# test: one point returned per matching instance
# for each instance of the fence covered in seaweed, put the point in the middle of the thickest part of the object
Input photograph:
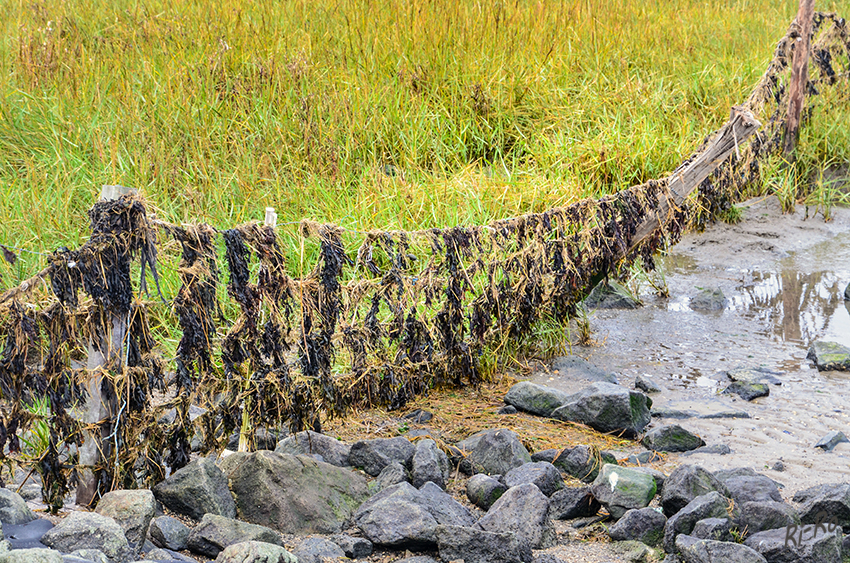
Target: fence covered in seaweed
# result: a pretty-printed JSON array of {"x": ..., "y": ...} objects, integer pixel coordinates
[{"x": 404, "y": 312}]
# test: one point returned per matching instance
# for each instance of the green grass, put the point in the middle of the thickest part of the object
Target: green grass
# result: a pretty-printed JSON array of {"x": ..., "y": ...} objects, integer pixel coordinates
[{"x": 384, "y": 114}]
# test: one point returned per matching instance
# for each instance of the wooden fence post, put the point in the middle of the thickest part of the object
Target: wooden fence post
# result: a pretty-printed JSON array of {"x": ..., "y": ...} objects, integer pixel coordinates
[
  {"x": 799, "y": 77},
  {"x": 100, "y": 406}
]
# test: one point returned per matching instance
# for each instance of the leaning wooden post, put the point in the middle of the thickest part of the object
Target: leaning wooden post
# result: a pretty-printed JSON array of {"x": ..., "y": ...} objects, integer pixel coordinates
[
  {"x": 100, "y": 406},
  {"x": 799, "y": 77}
]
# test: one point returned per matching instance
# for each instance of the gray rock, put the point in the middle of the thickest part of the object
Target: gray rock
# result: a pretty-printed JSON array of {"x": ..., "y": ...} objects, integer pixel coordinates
[
  {"x": 354, "y": 548},
  {"x": 28, "y": 492},
  {"x": 392, "y": 474},
  {"x": 168, "y": 555},
  {"x": 14, "y": 509},
  {"x": 633, "y": 551},
  {"x": 582, "y": 462},
  {"x": 644, "y": 457},
  {"x": 373, "y": 455},
  {"x": 686, "y": 483},
  {"x": 610, "y": 295},
  {"x": 318, "y": 550},
  {"x": 713, "y": 449},
  {"x": 646, "y": 385},
  {"x": 494, "y": 452},
  {"x": 401, "y": 516},
  {"x": 832, "y": 439},
  {"x": 483, "y": 490},
  {"x": 726, "y": 414},
  {"x": 546, "y": 455},
  {"x": 507, "y": 409},
  {"x": 31, "y": 555},
  {"x": 607, "y": 408},
  {"x": 645, "y": 525},
  {"x": 133, "y": 510},
  {"x": 214, "y": 533},
  {"x": 671, "y": 438},
  {"x": 417, "y": 559},
  {"x": 169, "y": 532},
  {"x": 478, "y": 546},
  {"x": 748, "y": 391},
  {"x": 708, "y": 300},
  {"x": 524, "y": 512},
  {"x": 95, "y": 555},
  {"x": 573, "y": 367},
  {"x": 778, "y": 466},
  {"x": 672, "y": 413},
  {"x": 655, "y": 474},
  {"x": 803, "y": 544},
  {"x": 87, "y": 530},
  {"x": 419, "y": 416},
  {"x": 27, "y": 536},
  {"x": 825, "y": 502},
  {"x": 197, "y": 489},
  {"x": 758, "y": 516},
  {"x": 430, "y": 463},
  {"x": 255, "y": 552},
  {"x": 711, "y": 505},
  {"x": 573, "y": 502},
  {"x": 622, "y": 488},
  {"x": 829, "y": 356},
  {"x": 542, "y": 474},
  {"x": 717, "y": 529},
  {"x": 695, "y": 550},
  {"x": 753, "y": 375},
  {"x": 752, "y": 488},
  {"x": 308, "y": 442},
  {"x": 296, "y": 494},
  {"x": 847, "y": 293},
  {"x": 536, "y": 399}
]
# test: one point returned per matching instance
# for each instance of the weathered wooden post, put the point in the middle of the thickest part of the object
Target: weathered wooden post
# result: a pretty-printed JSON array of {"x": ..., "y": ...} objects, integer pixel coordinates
[
  {"x": 100, "y": 406},
  {"x": 799, "y": 77}
]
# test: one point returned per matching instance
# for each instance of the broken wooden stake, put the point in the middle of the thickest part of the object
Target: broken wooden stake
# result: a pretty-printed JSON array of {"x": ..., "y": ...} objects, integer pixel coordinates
[{"x": 799, "y": 77}]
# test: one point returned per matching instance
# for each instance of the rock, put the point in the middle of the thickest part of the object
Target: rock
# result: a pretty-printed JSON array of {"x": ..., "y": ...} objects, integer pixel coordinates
[
  {"x": 708, "y": 300},
  {"x": 296, "y": 494},
  {"x": 483, "y": 490},
  {"x": 825, "y": 502},
  {"x": 753, "y": 375},
  {"x": 711, "y": 505},
  {"x": 684, "y": 484},
  {"x": 546, "y": 455},
  {"x": 133, "y": 510},
  {"x": 169, "y": 532},
  {"x": 417, "y": 559},
  {"x": 832, "y": 439},
  {"x": 778, "y": 466},
  {"x": 717, "y": 529},
  {"x": 829, "y": 356},
  {"x": 308, "y": 442},
  {"x": 573, "y": 367},
  {"x": 354, "y": 548},
  {"x": 32, "y": 555},
  {"x": 644, "y": 457},
  {"x": 536, "y": 399},
  {"x": 610, "y": 295},
  {"x": 419, "y": 416},
  {"x": 430, "y": 463},
  {"x": 507, "y": 409},
  {"x": 28, "y": 492},
  {"x": 633, "y": 551},
  {"x": 726, "y": 414},
  {"x": 582, "y": 462},
  {"x": 752, "y": 488},
  {"x": 847, "y": 293},
  {"x": 392, "y": 474},
  {"x": 14, "y": 509},
  {"x": 318, "y": 550},
  {"x": 197, "y": 489},
  {"x": 524, "y": 512},
  {"x": 622, "y": 488},
  {"x": 27, "y": 536},
  {"x": 646, "y": 385},
  {"x": 401, "y": 516},
  {"x": 655, "y": 474},
  {"x": 87, "y": 530},
  {"x": 214, "y": 533},
  {"x": 671, "y": 438},
  {"x": 574, "y": 502},
  {"x": 542, "y": 474},
  {"x": 645, "y": 525},
  {"x": 748, "y": 391},
  {"x": 607, "y": 408},
  {"x": 373, "y": 455},
  {"x": 494, "y": 452},
  {"x": 803, "y": 544},
  {"x": 758, "y": 516},
  {"x": 713, "y": 449},
  {"x": 255, "y": 552},
  {"x": 695, "y": 550},
  {"x": 478, "y": 546},
  {"x": 169, "y": 556},
  {"x": 95, "y": 555},
  {"x": 672, "y": 413}
]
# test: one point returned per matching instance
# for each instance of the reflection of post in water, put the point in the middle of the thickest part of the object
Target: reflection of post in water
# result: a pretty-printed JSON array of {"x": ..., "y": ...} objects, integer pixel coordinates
[
  {"x": 808, "y": 303},
  {"x": 790, "y": 293}
]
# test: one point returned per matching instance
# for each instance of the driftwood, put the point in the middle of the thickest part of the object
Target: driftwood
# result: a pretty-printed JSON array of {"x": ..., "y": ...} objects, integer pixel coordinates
[{"x": 799, "y": 77}]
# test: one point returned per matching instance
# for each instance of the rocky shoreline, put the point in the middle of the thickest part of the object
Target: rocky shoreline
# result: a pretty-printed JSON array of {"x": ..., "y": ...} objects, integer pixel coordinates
[{"x": 485, "y": 499}]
